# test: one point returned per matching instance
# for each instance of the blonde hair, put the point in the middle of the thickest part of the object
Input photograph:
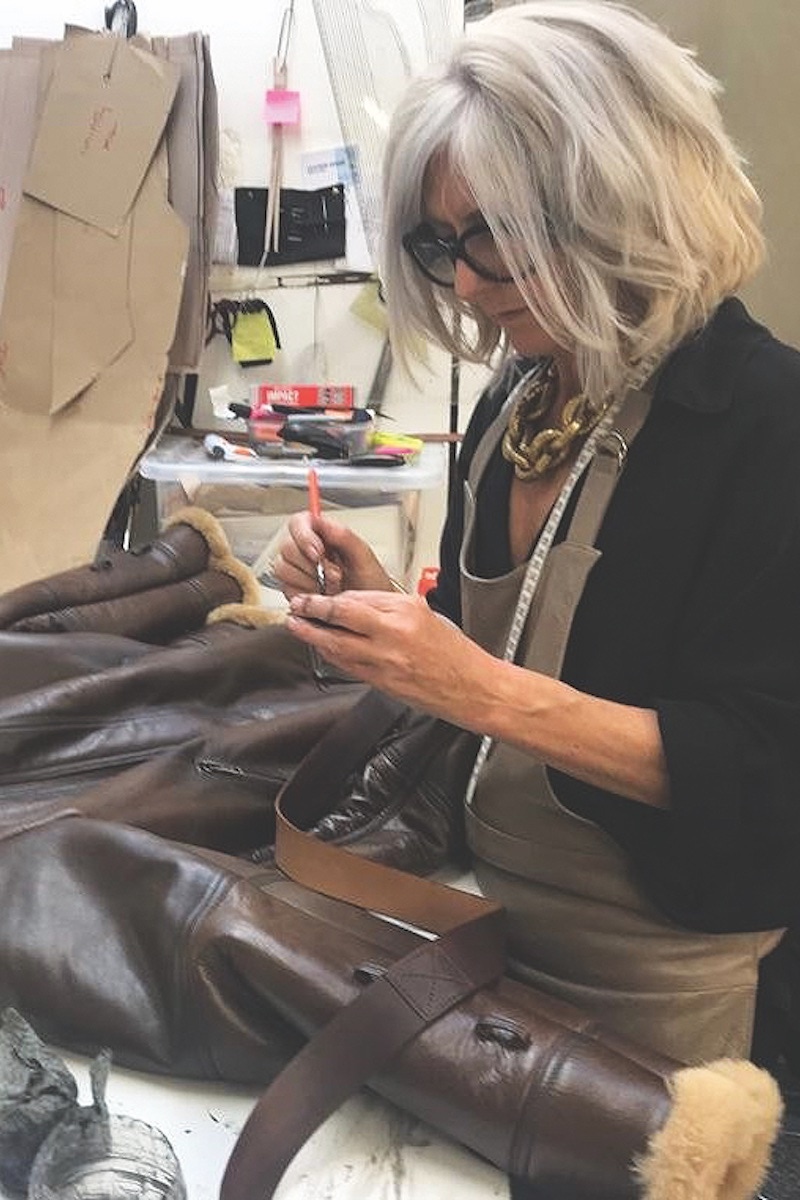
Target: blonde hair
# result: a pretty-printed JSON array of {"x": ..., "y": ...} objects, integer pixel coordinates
[{"x": 595, "y": 150}]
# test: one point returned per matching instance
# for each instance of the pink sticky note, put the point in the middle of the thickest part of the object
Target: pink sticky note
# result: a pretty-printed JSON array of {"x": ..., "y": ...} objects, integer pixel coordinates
[{"x": 282, "y": 107}]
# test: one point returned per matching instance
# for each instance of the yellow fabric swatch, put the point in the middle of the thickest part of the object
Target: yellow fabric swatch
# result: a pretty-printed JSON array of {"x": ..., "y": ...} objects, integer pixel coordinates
[{"x": 253, "y": 338}]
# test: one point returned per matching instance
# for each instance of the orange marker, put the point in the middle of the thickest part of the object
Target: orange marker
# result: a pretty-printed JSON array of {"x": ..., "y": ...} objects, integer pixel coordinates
[
  {"x": 313, "y": 493},
  {"x": 314, "y": 507}
]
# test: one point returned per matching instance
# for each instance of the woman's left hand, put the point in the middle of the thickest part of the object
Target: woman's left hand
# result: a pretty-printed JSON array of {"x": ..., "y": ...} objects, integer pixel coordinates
[{"x": 398, "y": 644}]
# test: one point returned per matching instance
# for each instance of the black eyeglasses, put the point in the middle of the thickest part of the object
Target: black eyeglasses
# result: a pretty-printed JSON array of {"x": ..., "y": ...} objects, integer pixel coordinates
[{"x": 436, "y": 255}]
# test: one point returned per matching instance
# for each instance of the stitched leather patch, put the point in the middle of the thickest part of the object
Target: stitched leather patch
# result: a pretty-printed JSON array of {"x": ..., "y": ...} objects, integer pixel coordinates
[{"x": 430, "y": 983}]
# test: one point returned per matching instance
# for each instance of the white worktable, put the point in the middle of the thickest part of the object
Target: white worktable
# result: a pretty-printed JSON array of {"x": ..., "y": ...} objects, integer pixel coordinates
[{"x": 368, "y": 1150}]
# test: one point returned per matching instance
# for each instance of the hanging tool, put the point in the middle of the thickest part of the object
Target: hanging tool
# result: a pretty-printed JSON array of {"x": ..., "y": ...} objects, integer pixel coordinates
[
  {"x": 380, "y": 380},
  {"x": 280, "y": 104},
  {"x": 121, "y": 18}
]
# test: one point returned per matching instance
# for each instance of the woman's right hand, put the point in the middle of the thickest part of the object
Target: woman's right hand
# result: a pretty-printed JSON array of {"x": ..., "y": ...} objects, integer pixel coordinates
[{"x": 348, "y": 562}]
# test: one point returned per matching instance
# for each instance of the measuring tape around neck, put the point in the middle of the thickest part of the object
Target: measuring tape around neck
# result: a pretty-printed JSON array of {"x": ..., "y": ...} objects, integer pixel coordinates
[{"x": 536, "y": 563}]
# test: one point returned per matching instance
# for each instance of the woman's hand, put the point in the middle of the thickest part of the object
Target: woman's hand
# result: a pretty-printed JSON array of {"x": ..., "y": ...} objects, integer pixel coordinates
[
  {"x": 348, "y": 562},
  {"x": 398, "y": 644}
]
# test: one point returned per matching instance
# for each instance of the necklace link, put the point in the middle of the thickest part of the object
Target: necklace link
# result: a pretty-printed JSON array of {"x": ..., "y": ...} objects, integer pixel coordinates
[{"x": 533, "y": 451}]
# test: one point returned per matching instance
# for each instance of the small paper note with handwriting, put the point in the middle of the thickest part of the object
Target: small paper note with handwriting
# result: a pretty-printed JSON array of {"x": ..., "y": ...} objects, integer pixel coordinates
[{"x": 103, "y": 117}]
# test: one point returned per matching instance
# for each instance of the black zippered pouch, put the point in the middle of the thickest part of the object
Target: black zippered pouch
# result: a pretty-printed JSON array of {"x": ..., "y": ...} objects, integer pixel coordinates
[{"x": 312, "y": 225}]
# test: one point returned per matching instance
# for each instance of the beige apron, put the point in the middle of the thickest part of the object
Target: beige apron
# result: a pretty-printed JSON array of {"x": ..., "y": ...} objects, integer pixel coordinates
[{"x": 579, "y": 925}]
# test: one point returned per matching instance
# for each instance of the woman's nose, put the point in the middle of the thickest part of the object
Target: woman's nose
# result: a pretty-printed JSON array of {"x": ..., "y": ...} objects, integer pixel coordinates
[{"x": 467, "y": 284}]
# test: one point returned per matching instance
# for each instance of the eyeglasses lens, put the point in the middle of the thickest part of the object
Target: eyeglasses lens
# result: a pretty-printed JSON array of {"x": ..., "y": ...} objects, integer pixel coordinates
[
  {"x": 437, "y": 256},
  {"x": 432, "y": 255},
  {"x": 481, "y": 253}
]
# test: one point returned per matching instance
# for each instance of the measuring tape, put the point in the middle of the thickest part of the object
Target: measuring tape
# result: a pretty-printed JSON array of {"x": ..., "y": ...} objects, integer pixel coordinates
[{"x": 537, "y": 559}]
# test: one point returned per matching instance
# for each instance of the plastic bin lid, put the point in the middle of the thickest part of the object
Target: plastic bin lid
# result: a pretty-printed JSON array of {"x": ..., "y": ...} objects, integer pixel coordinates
[{"x": 176, "y": 459}]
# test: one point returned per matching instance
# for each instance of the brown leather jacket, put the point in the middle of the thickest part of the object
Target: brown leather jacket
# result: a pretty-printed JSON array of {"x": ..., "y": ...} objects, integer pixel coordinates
[{"x": 141, "y": 911}]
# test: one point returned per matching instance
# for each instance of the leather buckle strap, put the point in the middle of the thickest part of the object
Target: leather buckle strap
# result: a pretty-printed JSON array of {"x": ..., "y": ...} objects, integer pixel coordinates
[{"x": 393, "y": 1009}]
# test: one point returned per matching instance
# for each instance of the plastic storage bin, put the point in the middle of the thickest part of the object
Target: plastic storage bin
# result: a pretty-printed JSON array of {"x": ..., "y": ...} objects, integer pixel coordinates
[{"x": 253, "y": 497}]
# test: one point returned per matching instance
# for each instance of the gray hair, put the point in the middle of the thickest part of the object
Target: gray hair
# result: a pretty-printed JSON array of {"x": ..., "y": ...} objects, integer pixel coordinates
[{"x": 595, "y": 150}]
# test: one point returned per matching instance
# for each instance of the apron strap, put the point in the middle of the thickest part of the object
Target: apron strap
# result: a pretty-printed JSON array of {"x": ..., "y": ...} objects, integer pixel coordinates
[{"x": 605, "y": 469}]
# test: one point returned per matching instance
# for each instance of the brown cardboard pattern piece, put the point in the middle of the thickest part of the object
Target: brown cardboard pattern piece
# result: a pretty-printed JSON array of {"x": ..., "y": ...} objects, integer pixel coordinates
[
  {"x": 87, "y": 335},
  {"x": 26, "y": 321},
  {"x": 192, "y": 138},
  {"x": 18, "y": 76},
  {"x": 103, "y": 117},
  {"x": 55, "y": 337},
  {"x": 60, "y": 474},
  {"x": 66, "y": 315}
]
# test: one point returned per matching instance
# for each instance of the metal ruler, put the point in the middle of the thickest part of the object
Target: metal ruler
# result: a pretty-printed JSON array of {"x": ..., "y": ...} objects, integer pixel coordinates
[{"x": 371, "y": 52}]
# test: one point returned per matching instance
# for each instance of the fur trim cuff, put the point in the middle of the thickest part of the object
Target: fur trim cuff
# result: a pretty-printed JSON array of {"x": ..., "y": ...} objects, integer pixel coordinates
[
  {"x": 221, "y": 557},
  {"x": 249, "y": 615},
  {"x": 251, "y": 592},
  {"x": 208, "y": 527},
  {"x": 716, "y": 1142}
]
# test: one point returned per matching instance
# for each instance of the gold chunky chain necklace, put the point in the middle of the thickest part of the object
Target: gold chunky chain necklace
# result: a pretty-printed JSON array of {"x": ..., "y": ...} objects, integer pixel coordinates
[{"x": 533, "y": 451}]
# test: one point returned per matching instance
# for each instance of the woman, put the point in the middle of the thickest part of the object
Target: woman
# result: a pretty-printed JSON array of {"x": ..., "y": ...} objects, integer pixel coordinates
[{"x": 620, "y": 564}]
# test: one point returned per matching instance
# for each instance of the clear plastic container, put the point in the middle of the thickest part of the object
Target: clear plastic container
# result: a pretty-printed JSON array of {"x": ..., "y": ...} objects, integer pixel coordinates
[{"x": 181, "y": 459}]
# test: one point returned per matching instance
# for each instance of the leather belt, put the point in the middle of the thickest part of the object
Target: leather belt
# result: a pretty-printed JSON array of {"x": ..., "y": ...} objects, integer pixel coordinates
[{"x": 468, "y": 954}]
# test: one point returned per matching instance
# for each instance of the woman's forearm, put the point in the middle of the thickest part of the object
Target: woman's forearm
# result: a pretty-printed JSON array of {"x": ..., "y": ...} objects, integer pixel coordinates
[{"x": 613, "y": 746}]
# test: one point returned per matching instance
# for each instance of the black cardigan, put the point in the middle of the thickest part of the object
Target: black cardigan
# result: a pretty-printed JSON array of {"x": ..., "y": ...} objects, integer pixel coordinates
[{"x": 692, "y": 610}]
